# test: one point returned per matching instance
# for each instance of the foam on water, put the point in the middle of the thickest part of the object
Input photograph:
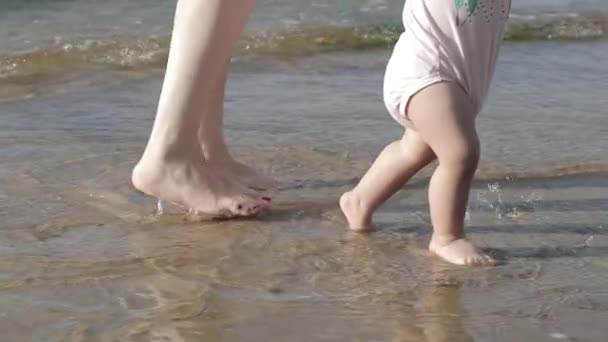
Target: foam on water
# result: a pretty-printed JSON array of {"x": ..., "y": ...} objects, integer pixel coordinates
[
  {"x": 141, "y": 52},
  {"x": 134, "y": 41}
]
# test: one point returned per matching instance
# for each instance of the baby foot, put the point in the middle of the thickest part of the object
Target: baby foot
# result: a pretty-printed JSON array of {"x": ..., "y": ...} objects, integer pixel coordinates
[
  {"x": 357, "y": 215},
  {"x": 193, "y": 185},
  {"x": 460, "y": 252}
]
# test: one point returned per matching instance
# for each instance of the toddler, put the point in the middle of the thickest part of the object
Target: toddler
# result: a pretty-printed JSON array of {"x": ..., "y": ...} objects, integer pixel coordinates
[{"x": 436, "y": 82}]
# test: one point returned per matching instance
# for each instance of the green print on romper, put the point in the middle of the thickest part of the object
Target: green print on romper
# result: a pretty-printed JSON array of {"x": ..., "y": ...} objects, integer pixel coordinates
[
  {"x": 472, "y": 5},
  {"x": 468, "y": 6},
  {"x": 489, "y": 10}
]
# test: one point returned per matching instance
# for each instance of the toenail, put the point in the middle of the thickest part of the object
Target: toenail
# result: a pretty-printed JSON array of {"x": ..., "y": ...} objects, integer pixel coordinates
[
  {"x": 239, "y": 207},
  {"x": 267, "y": 199}
]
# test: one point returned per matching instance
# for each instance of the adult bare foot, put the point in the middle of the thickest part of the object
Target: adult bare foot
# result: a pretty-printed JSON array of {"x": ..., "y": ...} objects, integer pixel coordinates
[
  {"x": 459, "y": 251},
  {"x": 195, "y": 186},
  {"x": 243, "y": 174},
  {"x": 356, "y": 212}
]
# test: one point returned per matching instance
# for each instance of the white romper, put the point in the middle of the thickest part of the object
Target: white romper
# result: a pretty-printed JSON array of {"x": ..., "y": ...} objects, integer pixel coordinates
[{"x": 445, "y": 40}]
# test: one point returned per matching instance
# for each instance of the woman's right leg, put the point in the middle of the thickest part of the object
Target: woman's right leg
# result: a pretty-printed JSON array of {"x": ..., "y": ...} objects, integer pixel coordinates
[
  {"x": 215, "y": 150},
  {"x": 172, "y": 166},
  {"x": 445, "y": 119}
]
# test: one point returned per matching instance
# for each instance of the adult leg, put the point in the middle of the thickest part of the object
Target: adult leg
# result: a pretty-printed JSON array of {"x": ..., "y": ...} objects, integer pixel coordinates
[
  {"x": 172, "y": 167},
  {"x": 215, "y": 151}
]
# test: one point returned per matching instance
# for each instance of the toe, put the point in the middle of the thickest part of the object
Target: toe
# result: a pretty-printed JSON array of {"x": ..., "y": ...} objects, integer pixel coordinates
[
  {"x": 469, "y": 261},
  {"x": 473, "y": 260},
  {"x": 489, "y": 261},
  {"x": 242, "y": 209},
  {"x": 257, "y": 199},
  {"x": 479, "y": 261},
  {"x": 253, "y": 210},
  {"x": 247, "y": 208}
]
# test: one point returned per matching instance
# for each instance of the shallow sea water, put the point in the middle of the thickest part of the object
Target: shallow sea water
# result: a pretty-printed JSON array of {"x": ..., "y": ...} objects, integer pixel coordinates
[{"x": 84, "y": 257}]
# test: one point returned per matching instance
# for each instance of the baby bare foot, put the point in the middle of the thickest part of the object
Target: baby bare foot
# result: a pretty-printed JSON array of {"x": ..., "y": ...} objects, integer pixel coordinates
[
  {"x": 356, "y": 213},
  {"x": 244, "y": 174},
  {"x": 459, "y": 251},
  {"x": 193, "y": 185}
]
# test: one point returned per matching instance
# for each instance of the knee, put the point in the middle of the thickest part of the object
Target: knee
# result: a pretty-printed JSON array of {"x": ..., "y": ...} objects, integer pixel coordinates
[
  {"x": 463, "y": 156},
  {"x": 416, "y": 152}
]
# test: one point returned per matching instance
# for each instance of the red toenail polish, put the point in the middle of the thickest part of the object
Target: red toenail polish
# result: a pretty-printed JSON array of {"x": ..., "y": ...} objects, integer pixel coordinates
[
  {"x": 267, "y": 199},
  {"x": 239, "y": 207}
]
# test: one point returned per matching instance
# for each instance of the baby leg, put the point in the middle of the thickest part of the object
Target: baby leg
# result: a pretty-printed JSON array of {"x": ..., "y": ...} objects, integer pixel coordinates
[
  {"x": 444, "y": 116},
  {"x": 395, "y": 165}
]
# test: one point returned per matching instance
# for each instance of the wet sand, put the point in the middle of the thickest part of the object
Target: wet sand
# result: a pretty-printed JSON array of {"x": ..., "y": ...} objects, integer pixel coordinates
[{"x": 83, "y": 257}]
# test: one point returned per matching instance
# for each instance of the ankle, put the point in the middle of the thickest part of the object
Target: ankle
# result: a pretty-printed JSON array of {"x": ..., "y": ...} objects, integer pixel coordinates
[
  {"x": 216, "y": 152},
  {"x": 356, "y": 199},
  {"x": 445, "y": 239},
  {"x": 158, "y": 154}
]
